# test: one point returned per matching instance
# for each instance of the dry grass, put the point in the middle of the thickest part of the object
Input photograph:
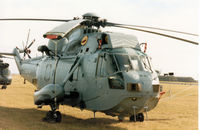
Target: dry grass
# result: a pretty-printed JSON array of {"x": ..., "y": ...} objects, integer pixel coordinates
[{"x": 17, "y": 111}]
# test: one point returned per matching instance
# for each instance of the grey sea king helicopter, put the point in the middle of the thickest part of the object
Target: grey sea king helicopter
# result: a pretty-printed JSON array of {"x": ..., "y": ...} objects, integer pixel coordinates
[
  {"x": 5, "y": 78},
  {"x": 90, "y": 69}
]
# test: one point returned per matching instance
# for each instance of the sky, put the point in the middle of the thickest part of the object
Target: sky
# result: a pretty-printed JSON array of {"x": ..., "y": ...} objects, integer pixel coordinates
[{"x": 168, "y": 55}]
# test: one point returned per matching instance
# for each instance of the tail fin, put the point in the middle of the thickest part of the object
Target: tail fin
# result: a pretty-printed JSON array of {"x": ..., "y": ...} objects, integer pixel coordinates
[{"x": 18, "y": 59}]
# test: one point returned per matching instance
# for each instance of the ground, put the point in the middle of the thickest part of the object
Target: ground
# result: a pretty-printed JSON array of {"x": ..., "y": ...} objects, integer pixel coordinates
[{"x": 177, "y": 110}]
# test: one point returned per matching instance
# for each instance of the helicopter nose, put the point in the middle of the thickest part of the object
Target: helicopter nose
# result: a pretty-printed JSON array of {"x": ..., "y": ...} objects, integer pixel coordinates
[
  {"x": 132, "y": 76},
  {"x": 136, "y": 81},
  {"x": 132, "y": 81}
]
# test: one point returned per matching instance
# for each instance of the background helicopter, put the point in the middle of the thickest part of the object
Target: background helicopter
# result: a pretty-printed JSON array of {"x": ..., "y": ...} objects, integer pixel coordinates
[
  {"x": 5, "y": 78},
  {"x": 94, "y": 70}
]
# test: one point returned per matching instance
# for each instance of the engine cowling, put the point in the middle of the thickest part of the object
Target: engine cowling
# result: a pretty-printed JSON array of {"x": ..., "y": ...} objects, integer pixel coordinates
[{"x": 47, "y": 94}]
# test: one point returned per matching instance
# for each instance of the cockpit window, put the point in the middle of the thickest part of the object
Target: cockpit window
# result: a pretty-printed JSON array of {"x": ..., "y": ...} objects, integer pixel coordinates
[
  {"x": 110, "y": 63},
  {"x": 137, "y": 66},
  {"x": 146, "y": 63},
  {"x": 123, "y": 62}
]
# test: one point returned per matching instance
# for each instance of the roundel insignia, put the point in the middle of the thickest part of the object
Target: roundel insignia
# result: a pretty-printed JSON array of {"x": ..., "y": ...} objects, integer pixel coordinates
[{"x": 84, "y": 40}]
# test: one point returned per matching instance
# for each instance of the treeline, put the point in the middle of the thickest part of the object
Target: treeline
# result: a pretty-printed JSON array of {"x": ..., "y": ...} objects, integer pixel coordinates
[{"x": 176, "y": 79}]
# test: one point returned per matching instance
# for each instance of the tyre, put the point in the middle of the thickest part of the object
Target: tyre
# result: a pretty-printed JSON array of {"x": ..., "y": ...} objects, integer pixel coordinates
[
  {"x": 58, "y": 117},
  {"x": 140, "y": 117},
  {"x": 132, "y": 118}
]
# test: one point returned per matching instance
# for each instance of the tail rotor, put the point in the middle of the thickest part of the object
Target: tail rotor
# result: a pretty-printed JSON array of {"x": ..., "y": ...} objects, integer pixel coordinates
[{"x": 26, "y": 49}]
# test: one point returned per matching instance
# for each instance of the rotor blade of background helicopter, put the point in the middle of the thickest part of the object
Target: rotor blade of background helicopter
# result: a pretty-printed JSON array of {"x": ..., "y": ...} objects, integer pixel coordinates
[
  {"x": 162, "y": 29},
  {"x": 161, "y": 34},
  {"x": 34, "y": 19}
]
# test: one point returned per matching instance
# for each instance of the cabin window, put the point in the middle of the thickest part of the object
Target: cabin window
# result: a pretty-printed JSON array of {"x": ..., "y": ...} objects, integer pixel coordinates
[{"x": 106, "y": 65}]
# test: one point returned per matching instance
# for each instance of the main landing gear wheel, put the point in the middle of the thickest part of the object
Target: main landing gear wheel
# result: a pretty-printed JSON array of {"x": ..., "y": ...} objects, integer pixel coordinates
[
  {"x": 120, "y": 118},
  {"x": 53, "y": 117},
  {"x": 139, "y": 117},
  {"x": 4, "y": 87}
]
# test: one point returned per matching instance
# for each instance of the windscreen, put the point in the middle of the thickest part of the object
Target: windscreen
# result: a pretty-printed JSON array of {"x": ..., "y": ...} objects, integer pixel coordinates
[
  {"x": 146, "y": 63},
  {"x": 136, "y": 63},
  {"x": 123, "y": 62}
]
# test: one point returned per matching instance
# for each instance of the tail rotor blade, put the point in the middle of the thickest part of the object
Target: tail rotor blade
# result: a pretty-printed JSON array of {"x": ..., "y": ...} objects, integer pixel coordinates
[
  {"x": 29, "y": 56},
  {"x": 24, "y": 54},
  {"x": 23, "y": 44},
  {"x": 27, "y": 38},
  {"x": 31, "y": 43}
]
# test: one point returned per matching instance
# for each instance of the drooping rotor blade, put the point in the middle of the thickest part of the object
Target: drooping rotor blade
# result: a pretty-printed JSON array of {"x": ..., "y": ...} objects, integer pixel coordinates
[
  {"x": 148, "y": 27},
  {"x": 34, "y": 19},
  {"x": 7, "y": 54},
  {"x": 161, "y": 34},
  {"x": 5, "y": 57}
]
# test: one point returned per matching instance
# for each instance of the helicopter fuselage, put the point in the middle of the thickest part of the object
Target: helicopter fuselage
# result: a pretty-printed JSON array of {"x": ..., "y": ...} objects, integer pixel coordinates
[
  {"x": 114, "y": 81},
  {"x": 98, "y": 71}
]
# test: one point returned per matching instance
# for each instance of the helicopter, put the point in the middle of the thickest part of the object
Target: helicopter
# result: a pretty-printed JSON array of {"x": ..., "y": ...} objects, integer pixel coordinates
[
  {"x": 5, "y": 77},
  {"x": 85, "y": 67}
]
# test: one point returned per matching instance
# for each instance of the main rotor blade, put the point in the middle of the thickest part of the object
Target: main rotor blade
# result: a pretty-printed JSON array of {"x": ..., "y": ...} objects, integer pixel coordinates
[
  {"x": 35, "y": 19},
  {"x": 162, "y": 29},
  {"x": 161, "y": 34}
]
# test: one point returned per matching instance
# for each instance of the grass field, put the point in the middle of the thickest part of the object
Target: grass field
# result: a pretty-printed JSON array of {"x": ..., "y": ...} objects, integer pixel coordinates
[{"x": 177, "y": 110}]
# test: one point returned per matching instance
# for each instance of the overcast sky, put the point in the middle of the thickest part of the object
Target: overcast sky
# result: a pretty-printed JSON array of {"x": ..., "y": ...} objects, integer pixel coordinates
[{"x": 168, "y": 55}]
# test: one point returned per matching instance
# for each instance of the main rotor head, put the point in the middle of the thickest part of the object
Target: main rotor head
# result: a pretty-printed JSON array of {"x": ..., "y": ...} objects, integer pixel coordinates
[
  {"x": 91, "y": 16},
  {"x": 92, "y": 19}
]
